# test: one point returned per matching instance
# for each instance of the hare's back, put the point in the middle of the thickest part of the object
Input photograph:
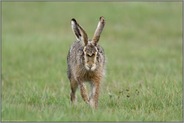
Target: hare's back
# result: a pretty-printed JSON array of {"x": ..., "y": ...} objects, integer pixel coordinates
[
  {"x": 75, "y": 48},
  {"x": 75, "y": 51}
]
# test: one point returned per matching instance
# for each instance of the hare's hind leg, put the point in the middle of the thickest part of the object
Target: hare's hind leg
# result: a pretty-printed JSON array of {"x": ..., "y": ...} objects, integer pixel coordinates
[{"x": 74, "y": 86}]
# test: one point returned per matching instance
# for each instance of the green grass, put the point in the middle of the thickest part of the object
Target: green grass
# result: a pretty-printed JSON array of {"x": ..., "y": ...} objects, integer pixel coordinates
[{"x": 143, "y": 46}]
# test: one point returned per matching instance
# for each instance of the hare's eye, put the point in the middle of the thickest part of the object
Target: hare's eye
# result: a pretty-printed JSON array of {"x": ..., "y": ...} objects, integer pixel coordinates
[{"x": 88, "y": 55}]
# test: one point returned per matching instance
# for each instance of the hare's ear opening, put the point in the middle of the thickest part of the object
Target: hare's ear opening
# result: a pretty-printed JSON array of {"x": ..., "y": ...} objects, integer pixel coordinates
[
  {"x": 98, "y": 30},
  {"x": 75, "y": 29},
  {"x": 79, "y": 31}
]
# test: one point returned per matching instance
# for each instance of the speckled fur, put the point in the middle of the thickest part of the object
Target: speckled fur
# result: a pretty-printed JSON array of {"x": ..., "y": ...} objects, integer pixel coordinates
[{"x": 90, "y": 54}]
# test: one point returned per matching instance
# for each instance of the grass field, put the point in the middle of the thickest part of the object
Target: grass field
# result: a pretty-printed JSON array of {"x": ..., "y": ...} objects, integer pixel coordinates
[{"x": 143, "y": 46}]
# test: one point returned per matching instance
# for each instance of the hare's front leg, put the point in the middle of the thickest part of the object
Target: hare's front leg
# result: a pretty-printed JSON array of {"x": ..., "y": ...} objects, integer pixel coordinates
[
  {"x": 94, "y": 94},
  {"x": 73, "y": 85},
  {"x": 83, "y": 92}
]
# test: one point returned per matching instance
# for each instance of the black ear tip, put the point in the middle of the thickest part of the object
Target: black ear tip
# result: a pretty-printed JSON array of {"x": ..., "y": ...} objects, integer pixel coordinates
[
  {"x": 73, "y": 20},
  {"x": 101, "y": 17}
]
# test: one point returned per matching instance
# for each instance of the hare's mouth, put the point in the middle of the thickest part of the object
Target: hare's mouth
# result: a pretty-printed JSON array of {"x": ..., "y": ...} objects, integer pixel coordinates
[{"x": 90, "y": 67}]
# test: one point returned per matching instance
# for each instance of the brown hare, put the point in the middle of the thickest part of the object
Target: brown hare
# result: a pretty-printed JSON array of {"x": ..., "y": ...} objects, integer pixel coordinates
[{"x": 86, "y": 63}]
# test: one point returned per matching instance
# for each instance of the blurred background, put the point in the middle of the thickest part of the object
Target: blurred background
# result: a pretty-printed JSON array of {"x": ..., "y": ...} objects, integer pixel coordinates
[{"x": 143, "y": 46}]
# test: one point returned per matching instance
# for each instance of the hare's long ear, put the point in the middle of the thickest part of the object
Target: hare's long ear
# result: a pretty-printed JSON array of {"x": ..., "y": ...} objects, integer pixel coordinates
[
  {"x": 79, "y": 32},
  {"x": 98, "y": 30}
]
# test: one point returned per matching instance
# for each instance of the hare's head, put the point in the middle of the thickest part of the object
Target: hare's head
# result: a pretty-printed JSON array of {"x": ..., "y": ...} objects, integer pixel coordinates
[{"x": 90, "y": 49}]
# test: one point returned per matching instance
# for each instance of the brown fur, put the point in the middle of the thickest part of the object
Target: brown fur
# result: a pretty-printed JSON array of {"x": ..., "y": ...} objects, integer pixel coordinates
[{"x": 86, "y": 63}]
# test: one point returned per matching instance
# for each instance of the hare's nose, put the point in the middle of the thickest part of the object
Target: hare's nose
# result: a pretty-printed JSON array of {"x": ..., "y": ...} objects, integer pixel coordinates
[{"x": 90, "y": 66}]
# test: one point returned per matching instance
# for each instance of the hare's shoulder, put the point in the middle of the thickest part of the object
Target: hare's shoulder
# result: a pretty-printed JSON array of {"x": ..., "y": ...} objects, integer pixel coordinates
[{"x": 76, "y": 47}]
